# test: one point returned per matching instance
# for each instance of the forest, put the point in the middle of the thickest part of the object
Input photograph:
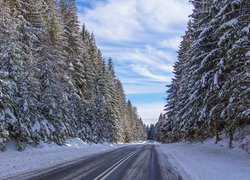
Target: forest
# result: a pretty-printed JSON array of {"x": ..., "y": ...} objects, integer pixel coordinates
[
  {"x": 54, "y": 81},
  {"x": 209, "y": 94}
]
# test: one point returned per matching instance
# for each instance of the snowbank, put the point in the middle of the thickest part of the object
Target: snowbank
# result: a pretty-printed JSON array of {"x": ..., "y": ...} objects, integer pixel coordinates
[
  {"x": 209, "y": 161},
  {"x": 14, "y": 162}
]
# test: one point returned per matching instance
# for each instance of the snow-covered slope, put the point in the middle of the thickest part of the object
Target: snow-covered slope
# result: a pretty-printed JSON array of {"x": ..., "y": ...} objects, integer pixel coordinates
[
  {"x": 13, "y": 161},
  {"x": 209, "y": 161}
]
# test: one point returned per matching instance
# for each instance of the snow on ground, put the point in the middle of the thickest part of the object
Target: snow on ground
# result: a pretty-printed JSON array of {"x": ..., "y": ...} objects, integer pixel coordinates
[
  {"x": 208, "y": 161},
  {"x": 194, "y": 161},
  {"x": 14, "y": 162}
]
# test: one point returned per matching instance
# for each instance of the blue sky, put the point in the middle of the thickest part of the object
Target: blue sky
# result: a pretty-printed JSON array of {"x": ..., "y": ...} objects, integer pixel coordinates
[{"x": 142, "y": 38}]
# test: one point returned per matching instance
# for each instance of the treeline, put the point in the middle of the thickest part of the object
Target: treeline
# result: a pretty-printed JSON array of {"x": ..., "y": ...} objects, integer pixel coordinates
[
  {"x": 54, "y": 82},
  {"x": 210, "y": 91},
  {"x": 154, "y": 131}
]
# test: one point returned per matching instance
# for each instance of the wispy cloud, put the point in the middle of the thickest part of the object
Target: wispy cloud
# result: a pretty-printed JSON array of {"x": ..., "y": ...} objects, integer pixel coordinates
[
  {"x": 124, "y": 20},
  {"x": 141, "y": 36},
  {"x": 145, "y": 72},
  {"x": 172, "y": 43},
  {"x": 144, "y": 88},
  {"x": 113, "y": 20}
]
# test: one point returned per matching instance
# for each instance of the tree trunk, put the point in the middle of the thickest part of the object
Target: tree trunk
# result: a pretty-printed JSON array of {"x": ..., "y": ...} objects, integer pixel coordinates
[
  {"x": 230, "y": 139},
  {"x": 216, "y": 135},
  {"x": 202, "y": 134}
]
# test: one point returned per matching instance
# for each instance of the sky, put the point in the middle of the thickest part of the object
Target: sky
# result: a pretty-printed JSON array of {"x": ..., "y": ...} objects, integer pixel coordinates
[{"x": 142, "y": 38}]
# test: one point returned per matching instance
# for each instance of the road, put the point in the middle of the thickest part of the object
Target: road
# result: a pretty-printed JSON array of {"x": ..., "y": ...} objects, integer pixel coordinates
[{"x": 134, "y": 162}]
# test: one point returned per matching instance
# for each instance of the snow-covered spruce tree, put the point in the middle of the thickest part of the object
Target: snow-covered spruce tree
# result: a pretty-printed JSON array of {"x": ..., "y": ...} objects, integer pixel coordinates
[
  {"x": 158, "y": 128},
  {"x": 72, "y": 46},
  {"x": 174, "y": 126},
  {"x": 86, "y": 86},
  {"x": 129, "y": 131},
  {"x": 234, "y": 42},
  {"x": 87, "y": 73},
  {"x": 54, "y": 82},
  {"x": 151, "y": 132},
  {"x": 112, "y": 111},
  {"x": 21, "y": 42},
  {"x": 91, "y": 62},
  {"x": 200, "y": 49},
  {"x": 122, "y": 110},
  {"x": 101, "y": 102},
  {"x": 187, "y": 103},
  {"x": 4, "y": 108},
  {"x": 211, "y": 77},
  {"x": 140, "y": 130},
  {"x": 134, "y": 123},
  {"x": 107, "y": 116},
  {"x": 6, "y": 43}
]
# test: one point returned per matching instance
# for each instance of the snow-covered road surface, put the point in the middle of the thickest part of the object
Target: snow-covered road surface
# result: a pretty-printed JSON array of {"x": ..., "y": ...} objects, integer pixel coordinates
[
  {"x": 193, "y": 161},
  {"x": 45, "y": 155},
  {"x": 139, "y": 162}
]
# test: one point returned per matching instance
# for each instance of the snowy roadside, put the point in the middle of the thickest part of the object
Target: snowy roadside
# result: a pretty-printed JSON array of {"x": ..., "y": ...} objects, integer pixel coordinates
[
  {"x": 208, "y": 161},
  {"x": 13, "y": 162}
]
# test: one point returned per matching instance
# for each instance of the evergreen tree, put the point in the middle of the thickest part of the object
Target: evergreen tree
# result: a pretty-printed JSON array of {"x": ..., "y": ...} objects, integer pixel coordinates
[
  {"x": 54, "y": 82},
  {"x": 209, "y": 90}
]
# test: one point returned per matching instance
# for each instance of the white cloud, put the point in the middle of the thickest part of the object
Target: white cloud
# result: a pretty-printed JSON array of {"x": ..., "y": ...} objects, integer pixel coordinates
[
  {"x": 150, "y": 56},
  {"x": 126, "y": 19},
  {"x": 133, "y": 31},
  {"x": 171, "y": 43},
  {"x": 146, "y": 63},
  {"x": 161, "y": 15},
  {"x": 113, "y": 20},
  {"x": 140, "y": 88},
  {"x": 142, "y": 38},
  {"x": 145, "y": 72}
]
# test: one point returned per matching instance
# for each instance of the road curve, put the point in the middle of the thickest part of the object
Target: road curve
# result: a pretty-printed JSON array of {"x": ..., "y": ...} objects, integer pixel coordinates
[{"x": 134, "y": 162}]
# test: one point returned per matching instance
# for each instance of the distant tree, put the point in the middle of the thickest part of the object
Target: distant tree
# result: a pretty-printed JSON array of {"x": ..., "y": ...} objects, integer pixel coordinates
[{"x": 151, "y": 132}]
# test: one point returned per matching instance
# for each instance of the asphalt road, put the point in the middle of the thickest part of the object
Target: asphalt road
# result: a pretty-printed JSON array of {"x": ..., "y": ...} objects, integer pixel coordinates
[{"x": 136, "y": 162}]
